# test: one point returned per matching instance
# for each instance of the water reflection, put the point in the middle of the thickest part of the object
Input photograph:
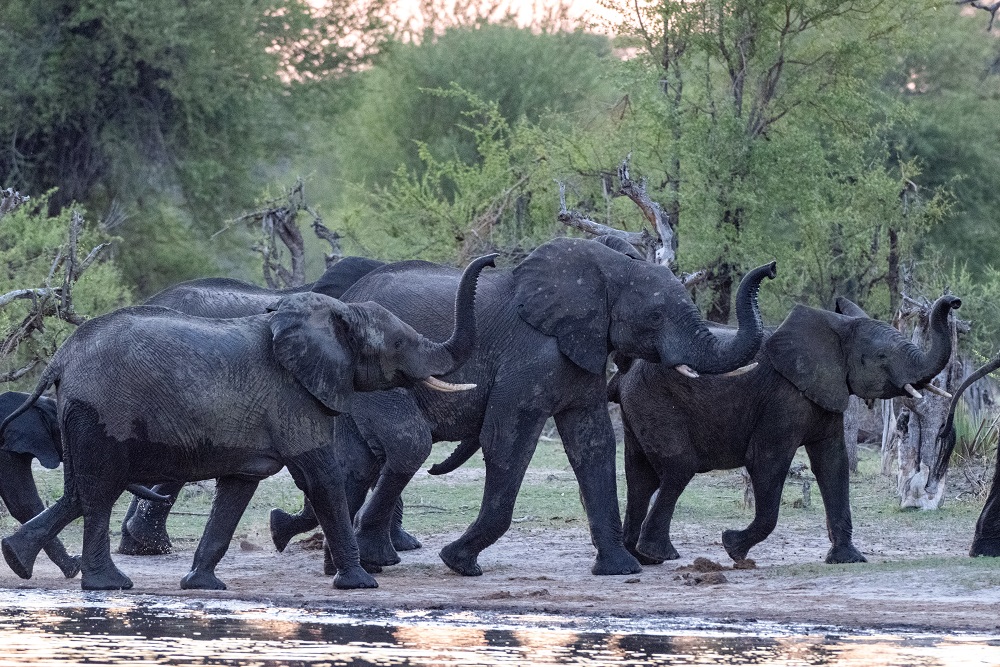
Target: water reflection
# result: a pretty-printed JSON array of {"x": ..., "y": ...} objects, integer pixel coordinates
[{"x": 39, "y": 628}]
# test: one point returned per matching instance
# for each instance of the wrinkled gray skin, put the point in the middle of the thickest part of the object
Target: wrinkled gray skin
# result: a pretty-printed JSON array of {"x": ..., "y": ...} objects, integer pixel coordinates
[
  {"x": 676, "y": 427},
  {"x": 549, "y": 325},
  {"x": 143, "y": 530},
  {"x": 147, "y": 394},
  {"x": 33, "y": 435}
]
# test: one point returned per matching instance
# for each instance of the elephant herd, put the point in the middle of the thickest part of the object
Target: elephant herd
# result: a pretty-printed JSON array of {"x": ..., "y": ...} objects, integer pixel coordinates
[{"x": 338, "y": 382}]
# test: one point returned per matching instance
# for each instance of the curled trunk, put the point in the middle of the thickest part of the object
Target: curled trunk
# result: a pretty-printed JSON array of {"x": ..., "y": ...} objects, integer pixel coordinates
[{"x": 717, "y": 355}]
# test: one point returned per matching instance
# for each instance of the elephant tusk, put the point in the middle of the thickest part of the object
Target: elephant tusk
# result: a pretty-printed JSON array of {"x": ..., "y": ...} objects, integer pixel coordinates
[
  {"x": 912, "y": 392},
  {"x": 937, "y": 390},
  {"x": 741, "y": 370},
  {"x": 685, "y": 370},
  {"x": 441, "y": 385}
]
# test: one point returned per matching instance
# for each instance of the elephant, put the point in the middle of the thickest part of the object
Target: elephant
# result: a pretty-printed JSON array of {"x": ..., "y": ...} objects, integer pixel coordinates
[
  {"x": 35, "y": 434},
  {"x": 549, "y": 325},
  {"x": 148, "y": 394},
  {"x": 143, "y": 530},
  {"x": 676, "y": 427}
]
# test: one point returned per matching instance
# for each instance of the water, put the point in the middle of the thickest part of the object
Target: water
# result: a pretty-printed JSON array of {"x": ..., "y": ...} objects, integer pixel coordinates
[{"x": 41, "y": 628}]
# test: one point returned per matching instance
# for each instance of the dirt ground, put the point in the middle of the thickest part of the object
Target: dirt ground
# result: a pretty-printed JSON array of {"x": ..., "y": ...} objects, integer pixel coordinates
[{"x": 923, "y": 580}]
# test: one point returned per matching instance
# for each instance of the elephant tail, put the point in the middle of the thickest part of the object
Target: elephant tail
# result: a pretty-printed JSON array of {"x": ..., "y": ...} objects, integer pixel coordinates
[
  {"x": 48, "y": 378},
  {"x": 462, "y": 453},
  {"x": 144, "y": 493}
]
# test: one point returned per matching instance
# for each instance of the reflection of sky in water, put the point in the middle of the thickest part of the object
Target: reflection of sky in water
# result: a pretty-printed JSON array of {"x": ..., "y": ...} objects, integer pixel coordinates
[{"x": 38, "y": 628}]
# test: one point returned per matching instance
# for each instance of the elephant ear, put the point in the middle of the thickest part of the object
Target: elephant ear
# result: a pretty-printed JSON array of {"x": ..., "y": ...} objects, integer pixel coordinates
[
  {"x": 562, "y": 292},
  {"x": 311, "y": 337},
  {"x": 806, "y": 349},
  {"x": 36, "y": 432}
]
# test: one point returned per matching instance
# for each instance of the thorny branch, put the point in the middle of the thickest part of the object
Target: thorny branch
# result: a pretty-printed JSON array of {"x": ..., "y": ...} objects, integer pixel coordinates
[{"x": 46, "y": 301}]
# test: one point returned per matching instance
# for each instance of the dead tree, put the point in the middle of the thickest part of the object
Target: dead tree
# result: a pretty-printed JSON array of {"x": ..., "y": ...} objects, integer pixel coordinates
[
  {"x": 920, "y": 482},
  {"x": 278, "y": 221},
  {"x": 54, "y": 298}
]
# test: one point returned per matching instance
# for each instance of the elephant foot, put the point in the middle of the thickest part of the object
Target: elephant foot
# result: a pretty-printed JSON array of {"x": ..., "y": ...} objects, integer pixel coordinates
[
  {"x": 354, "y": 577},
  {"x": 735, "y": 545},
  {"x": 461, "y": 561},
  {"x": 70, "y": 567},
  {"x": 203, "y": 581},
  {"x": 655, "y": 551},
  {"x": 642, "y": 558},
  {"x": 130, "y": 546},
  {"x": 618, "y": 562},
  {"x": 845, "y": 554},
  {"x": 330, "y": 569},
  {"x": 987, "y": 546},
  {"x": 285, "y": 526},
  {"x": 376, "y": 549},
  {"x": 404, "y": 541},
  {"x": 110, "y": 579},
  {"x": 20, "y": 556}
]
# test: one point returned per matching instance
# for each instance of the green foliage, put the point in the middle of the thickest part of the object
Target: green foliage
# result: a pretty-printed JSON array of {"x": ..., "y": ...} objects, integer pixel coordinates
[{"x": 30, "y": 240}]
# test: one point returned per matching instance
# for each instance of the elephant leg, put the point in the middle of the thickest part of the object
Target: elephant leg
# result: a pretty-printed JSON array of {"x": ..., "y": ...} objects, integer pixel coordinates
[
  {"x": 401, "y": 539},
  {"x": 641, "y": 483},
  {"x": 99, "y": 571},
  {"x": 508, "y": 444},
  {"x": 589, "y": 440},
  {"x": 986, "y": 540},
  {"x": 285, "y": 526},
  {"x": 144, "y": 528},
  {"x": 20, "y": 495},
  {"x": 767, "y": 471},
  {"x": 828, "y": 459},
  {"x": 232, "y": 495},
  {"x": 320, "y": 475},
  {"x": 654, "y": 537},
  {"x": 21, "y": 549}
]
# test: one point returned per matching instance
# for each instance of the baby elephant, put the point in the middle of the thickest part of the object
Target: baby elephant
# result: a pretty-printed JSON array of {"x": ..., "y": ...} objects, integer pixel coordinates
[
  {"x": 33, "y": 435},
  {"x": 677, "y": 426}
]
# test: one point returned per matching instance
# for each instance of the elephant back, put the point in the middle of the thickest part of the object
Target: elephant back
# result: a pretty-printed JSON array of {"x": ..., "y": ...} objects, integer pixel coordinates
[{"x": 36, "y": 432}]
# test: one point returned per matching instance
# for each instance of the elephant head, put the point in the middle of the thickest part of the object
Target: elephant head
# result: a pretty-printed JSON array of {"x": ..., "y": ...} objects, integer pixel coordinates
[
  {"x": 35, "y": 432},
  {"x": 594, "y": 299},
  {"x": 829, "y": 356},
  {"x": 334, "y": 348}
]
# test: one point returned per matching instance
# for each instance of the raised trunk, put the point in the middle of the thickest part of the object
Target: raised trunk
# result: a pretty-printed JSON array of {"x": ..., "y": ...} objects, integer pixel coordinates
[
  {"x": 443, "y": 358},
  {"x": 720, "y": 356},
  {"x": 939, "y": 333}
]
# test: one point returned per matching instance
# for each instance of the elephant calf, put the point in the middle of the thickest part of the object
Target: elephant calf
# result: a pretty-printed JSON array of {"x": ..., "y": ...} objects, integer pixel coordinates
[{"x": 677, "y": 426}]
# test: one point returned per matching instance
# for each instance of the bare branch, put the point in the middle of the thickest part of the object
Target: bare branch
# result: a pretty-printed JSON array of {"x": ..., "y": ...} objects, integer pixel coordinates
[
  {"x": 642, "y": 241},
  {"x": 17, "y": 374},
  {"x": 653, "y": 212},
  {"x": 10, "y": 200}
]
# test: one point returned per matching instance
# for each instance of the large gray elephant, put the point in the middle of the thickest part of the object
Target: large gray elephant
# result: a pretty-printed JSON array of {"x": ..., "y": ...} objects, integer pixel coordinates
[
  {"x": 143, "y": 529},
  {"x": 549, "y": 325},
  {"x": 33, "y": 435},
  {"x": 147, "y": 394},
  {"x": 676, "y": 427}
]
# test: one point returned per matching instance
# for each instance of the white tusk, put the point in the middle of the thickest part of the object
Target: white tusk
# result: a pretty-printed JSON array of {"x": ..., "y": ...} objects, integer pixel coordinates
[
  {"x": 685, "y": 370},
  {"x": 911, "y": 391},
  {"x": 741, "y": 370},
  {"x": 937, "y": 390},
  {"x": 441, "y": 385}
]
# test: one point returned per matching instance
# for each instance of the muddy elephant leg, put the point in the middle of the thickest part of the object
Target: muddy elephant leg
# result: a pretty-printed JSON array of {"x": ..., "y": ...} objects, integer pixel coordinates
[
  {"x": 232, "y": 495},
  {"x": 767, "y": 473},
  {"x": 285, "y": 526},
  {"x": 144, "y": 528},
  {"x": 319, "y": 473},
  {"x": 21, "y": 549},
  {"x": 654, "y": 537},
  {"x": 20, "y": 495},
  {"x": 828, "y": 459},
  {"x": 508, "y": 444},
  {"x": 99, "y": 571},
  {"x": 589, "y": 441},
  {"x": 641, "y": 483}
]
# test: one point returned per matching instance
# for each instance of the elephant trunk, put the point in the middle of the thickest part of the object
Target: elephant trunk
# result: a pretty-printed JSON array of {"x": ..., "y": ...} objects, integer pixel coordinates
[
  {"x": 443, "y": 358},
  {"x": 936, "y": 357},
  {"x": 717, "y": 355}
]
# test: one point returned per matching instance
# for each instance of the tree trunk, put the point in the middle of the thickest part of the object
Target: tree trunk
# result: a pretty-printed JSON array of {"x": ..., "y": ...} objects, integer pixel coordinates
[{"x": 918, "y": 448}]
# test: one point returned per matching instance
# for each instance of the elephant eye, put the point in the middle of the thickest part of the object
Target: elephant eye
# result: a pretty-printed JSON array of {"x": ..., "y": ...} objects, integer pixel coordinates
[
  {"x": 655, "y": 317},
  {"x": 398, "y": 345}
]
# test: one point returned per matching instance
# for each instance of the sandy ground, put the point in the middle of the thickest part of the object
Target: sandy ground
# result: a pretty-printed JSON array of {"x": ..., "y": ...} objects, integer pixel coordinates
[{"x": 917, "y": 580}]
